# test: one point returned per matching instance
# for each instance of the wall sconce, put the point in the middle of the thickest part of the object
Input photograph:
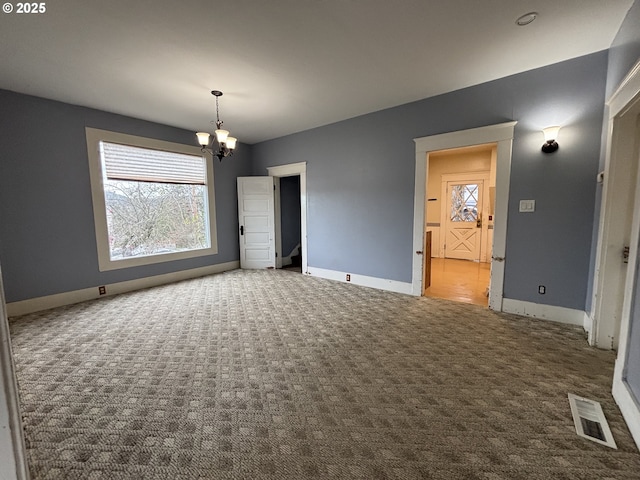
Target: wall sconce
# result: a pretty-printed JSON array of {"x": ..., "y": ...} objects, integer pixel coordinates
[{"x": 550, "y": 137}]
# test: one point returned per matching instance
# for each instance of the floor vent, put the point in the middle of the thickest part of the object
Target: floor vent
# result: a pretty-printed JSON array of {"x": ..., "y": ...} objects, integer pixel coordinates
[{"x": 589, "y": 420}]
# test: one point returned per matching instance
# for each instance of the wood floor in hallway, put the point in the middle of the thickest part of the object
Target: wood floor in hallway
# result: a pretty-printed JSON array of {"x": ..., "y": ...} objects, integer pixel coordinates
[{"x": 459, "y": 280}]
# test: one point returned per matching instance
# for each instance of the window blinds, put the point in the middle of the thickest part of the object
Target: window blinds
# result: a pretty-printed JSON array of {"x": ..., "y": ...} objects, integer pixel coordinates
[{"x": 124, "y": 162}]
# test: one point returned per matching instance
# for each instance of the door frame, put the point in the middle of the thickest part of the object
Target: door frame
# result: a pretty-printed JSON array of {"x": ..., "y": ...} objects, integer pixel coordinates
[
  {"x": 500, "y": 134},
  {"x": 622, "y": 152},
  {"x": 444, "y": 209},
  {"x": 616, "y": 210},
  {"x": 291, "y": 170}
]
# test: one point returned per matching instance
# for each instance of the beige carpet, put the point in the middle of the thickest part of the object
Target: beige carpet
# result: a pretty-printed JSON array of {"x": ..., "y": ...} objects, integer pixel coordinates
[{"x": 274, "y": 375}]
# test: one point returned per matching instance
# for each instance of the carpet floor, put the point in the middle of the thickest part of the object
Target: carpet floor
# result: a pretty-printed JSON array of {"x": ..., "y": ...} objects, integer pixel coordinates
[{"x": 274, "y": 375}]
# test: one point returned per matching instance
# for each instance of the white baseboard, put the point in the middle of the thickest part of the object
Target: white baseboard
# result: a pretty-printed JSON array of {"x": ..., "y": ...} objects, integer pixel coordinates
[
  {"x": 588, "y": 322},
  {"x": 628, "y": 407},
  {"x": 362, "y": 280},
  {"x": 67, "y": 298},
  {"x": 545, "y": 312}
]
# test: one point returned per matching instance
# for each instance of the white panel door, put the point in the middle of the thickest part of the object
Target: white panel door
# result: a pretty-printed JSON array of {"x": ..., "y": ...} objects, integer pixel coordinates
[
  {"x": 256, "y": 220},
  {"x": 463, "y": 220}
]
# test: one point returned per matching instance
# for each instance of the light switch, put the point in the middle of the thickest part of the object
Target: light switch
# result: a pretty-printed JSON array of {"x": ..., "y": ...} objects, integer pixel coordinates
[{"x": 527, "y": 205}]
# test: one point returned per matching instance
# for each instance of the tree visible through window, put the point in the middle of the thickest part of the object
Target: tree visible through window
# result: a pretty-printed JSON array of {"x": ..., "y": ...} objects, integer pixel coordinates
[
  {"x": 464, "y": 203},
  {"x": 156, "y": 201}
]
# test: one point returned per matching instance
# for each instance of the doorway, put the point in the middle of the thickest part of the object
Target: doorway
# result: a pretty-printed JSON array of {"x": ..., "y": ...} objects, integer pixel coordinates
[
  {"x": 615, "y": 227},
  {"x": 500, "y": 135},
  {"x": 290, "y": 228},
  {"x": 459, "y": 215},
  {"x": 614, "y": 321},
  {"x": 279, "y": 173}
]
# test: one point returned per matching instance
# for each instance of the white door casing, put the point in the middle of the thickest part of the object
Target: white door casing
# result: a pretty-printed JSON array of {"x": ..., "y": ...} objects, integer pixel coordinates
[
  {"x": 256, "y": 222},
  {"x": 610, "y": 319},
  {"x": 291, "y": 169},
  {"x": 616, "y": 211},
  {"x": 502, "y": 136}
]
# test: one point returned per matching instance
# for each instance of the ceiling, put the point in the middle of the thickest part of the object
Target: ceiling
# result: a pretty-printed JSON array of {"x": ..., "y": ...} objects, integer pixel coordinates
[{"x": 284, "y": 65}]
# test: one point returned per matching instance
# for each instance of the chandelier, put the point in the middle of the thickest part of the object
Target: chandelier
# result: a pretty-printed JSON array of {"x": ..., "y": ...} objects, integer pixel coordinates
[{"x": 226, "y": 144}]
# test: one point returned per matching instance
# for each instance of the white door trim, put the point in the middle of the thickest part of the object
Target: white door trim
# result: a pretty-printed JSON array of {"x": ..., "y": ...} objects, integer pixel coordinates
[
  {"x": 290, "y": 170},
  {"x": 502, "y": 135},
  {"x": 614, "y": 228},
  {"x": 622, "y": 149}
]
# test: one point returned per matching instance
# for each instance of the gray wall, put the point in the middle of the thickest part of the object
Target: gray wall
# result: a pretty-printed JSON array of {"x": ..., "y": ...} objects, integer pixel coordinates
[
  {"x": 360, "y": 178},
  {"x": 290, "y": 213},
  {"x": 625, "y": 49},
  {"x": 624, "y": 54},
  {"x": 47, "y": 237}
]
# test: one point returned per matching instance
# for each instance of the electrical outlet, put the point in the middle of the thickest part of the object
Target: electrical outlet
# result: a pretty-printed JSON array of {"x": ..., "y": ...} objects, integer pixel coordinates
[
  {"x": 348, "y": 277},
  {"x": 527, "y": 206},
  {"x": 542, "y": 289},
  {"x": 102, "y": 290}
]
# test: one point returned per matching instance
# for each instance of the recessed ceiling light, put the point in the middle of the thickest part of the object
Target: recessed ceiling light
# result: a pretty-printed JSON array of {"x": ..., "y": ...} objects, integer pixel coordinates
[{"x": 526, "y": 19}]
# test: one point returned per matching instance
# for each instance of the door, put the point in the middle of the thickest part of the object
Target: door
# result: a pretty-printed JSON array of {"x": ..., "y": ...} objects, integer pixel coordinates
[
  {"x": 626, "y": 377},
  {"x": 463, "y": 219},
  {"x": 256, "y": 221}
]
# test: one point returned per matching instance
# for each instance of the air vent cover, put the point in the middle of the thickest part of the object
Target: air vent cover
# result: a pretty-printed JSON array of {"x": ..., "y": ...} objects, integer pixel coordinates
[{"x": 589, "y": 420}]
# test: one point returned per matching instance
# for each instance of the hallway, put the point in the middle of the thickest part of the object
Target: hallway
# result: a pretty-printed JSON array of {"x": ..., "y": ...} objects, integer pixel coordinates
[{"x": 459, "y": 280}]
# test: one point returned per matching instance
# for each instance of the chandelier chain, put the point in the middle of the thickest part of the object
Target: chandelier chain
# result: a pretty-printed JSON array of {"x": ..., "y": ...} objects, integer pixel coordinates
[{"x": 218, "y": 122}]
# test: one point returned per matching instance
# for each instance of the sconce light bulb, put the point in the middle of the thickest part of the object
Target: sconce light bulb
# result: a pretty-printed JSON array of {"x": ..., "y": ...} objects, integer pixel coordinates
[
  {"x": 550, "y": 137},
  {"x": 551, "y": 133}
]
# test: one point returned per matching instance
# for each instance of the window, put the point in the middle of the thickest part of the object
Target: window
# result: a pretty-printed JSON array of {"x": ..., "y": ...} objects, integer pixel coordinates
[
  {"x": 153, "y": 201},
  {"x": 464, "y": 203}
]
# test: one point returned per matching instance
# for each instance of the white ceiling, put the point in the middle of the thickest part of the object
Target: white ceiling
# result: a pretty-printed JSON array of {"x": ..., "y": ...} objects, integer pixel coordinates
[{"x": 284, "y": 65}]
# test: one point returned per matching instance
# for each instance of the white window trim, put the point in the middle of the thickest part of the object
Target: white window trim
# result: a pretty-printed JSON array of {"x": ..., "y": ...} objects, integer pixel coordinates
[{"x": 94, "y": 137}]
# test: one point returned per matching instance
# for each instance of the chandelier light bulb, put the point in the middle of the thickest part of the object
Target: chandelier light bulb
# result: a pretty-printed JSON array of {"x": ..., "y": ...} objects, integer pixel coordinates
[
  {"x": 221, "y": 135},
  {"x": 203, "y": 138}
]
